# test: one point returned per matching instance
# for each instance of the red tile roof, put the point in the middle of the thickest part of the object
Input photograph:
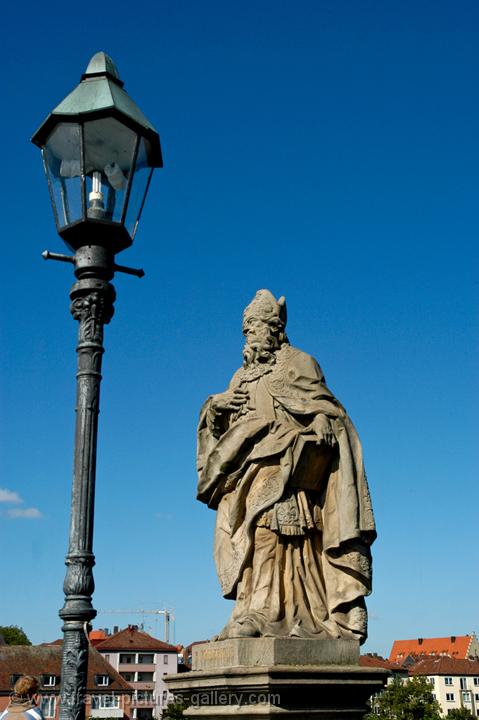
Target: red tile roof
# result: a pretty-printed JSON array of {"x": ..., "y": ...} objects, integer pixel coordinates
[
  {"x": 46, "y": 660},
  {"x": 378, "y": 661},
  {"x": 97, "y": 636},
  {"x": 455, "y": 646},
  {"x": 445, "y": 666},
  {"x": 133, "y": 639}
]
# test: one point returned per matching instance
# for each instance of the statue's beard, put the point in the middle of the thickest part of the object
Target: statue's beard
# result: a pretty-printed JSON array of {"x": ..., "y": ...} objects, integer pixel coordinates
[{"x": 260, "y": 347}]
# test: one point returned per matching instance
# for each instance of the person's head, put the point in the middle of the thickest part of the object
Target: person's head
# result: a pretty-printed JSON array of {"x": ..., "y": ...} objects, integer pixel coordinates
[
  {"x": 264, "y": 322},
  {"x": 26, "y": 687}
]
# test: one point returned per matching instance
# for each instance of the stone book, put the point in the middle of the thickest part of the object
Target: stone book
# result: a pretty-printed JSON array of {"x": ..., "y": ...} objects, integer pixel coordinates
[{"x": 311, "y": 463}]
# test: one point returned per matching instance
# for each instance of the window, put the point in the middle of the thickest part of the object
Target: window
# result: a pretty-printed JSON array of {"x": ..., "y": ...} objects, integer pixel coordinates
[
  {"x": 450, "y": 697},
  {"x": 476, "y": 697},
  {"x": 475, "y": 680},
  {"x": 433, "y": 696},
  {"x": 431, "y": 681},
  {"x": 48, "y": 706},
  {"x": 127, "y": 658},
  {"x": 144, "y": 714},
  {"x": 165, "y": 659},
  {"x": 448, "y": 681},
  {"x": 128, "y": 676},
  {"x": 146, "y": 658},
  {"x": 14, "y": 678},
  {"x": 463, "y": 682},
  {"x": 466, "y": 696},
  {"x": 102, "y": 680},
  {"x": 144, "y": 696},
  {"x": 49, "y": 680},
  {"x": 101, "y": 702},
  {"x": 145, "y": 677}
]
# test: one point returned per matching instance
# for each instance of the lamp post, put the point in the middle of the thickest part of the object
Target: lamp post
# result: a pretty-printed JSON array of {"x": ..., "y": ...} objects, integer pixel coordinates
[{"x": 99, "y": 152}]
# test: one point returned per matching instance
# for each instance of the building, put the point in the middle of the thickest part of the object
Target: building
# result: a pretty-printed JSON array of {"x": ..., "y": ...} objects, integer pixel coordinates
[
  {"x": 451, "y": 665},
  {"x": 97, "y": 636},
  {"x": 455, "y": 682},
  {"x": 375, "y": 660},
  {"x": 185, "y": 655},
  {"x": 461, "y": 647},
  {"x": 108, "y": 694},
  {"x": 142, "y": 660}
]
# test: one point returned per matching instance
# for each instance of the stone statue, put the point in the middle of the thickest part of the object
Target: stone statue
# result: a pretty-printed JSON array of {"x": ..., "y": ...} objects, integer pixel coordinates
[{"x": 281, "y": 463}]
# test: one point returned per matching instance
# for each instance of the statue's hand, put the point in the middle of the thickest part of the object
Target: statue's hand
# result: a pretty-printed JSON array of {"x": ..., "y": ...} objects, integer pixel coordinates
[
  {"x": 324, "y": 432},
  {"x": 220, "y": 405},
  {"x": 229, "y": 401}
]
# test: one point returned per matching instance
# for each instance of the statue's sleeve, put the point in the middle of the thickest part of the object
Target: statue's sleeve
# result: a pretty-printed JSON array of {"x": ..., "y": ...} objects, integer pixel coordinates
[
  {"x": 211, "y": 427},
  {"x": 205, "y": 438}
]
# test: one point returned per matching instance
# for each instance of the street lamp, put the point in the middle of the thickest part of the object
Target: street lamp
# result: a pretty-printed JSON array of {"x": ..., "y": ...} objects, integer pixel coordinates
[{"x": 99, "y": 152}]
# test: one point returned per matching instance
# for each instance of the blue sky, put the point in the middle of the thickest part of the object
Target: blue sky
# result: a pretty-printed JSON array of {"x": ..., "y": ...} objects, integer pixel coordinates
[{"x": 327, "y": 150}]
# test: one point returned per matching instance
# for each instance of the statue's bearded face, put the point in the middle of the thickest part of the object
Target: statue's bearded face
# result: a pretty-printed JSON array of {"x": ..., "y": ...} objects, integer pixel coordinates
[{"x": 261, "y": 341}]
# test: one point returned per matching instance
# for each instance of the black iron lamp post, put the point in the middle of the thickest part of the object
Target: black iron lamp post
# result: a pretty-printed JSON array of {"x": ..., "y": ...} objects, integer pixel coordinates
[{"x": 99, "y": 152}]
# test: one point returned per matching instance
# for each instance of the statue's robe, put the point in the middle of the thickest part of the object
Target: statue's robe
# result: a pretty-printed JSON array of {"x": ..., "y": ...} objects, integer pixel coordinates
[{"x": 294, "y": 519}]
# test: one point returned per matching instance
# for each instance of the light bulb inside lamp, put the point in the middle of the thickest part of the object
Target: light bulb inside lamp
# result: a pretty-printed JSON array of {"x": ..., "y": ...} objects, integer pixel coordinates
[{"x": 95, "y": 197}]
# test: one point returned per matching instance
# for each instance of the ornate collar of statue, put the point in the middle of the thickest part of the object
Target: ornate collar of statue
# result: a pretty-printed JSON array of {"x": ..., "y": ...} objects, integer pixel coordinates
[{"x": 254, "y": 372}]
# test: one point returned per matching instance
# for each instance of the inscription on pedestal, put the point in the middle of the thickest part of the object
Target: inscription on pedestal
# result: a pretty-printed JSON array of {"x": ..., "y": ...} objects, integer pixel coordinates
[
  {"x": 255, "y": 652},
  {"x": 214, "y": 655}
]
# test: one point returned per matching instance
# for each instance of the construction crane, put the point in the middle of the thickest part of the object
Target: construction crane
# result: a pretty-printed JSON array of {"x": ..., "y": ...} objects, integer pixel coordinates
[{"x": 167, "y": 614}]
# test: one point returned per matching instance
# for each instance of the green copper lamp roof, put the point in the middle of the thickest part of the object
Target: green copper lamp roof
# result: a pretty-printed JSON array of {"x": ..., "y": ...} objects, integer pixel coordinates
[
  {"x": 101, "y": 94},
  {"x": 102, "y": 64}
]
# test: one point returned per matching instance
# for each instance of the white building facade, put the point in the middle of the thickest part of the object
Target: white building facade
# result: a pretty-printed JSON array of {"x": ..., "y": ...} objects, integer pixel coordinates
[
  {"x": 142, "y": 661},
  {"x": 454, "y": 683}
]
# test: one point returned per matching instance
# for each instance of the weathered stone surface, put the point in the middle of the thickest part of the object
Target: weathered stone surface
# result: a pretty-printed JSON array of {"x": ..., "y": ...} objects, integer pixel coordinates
[
  {"x": 253, "y": 652},
  {"x": 294, "y": 692},
  {"x": 281, "y": 463}
]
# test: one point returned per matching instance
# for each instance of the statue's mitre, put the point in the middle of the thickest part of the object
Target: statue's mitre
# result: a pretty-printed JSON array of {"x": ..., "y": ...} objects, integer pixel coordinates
[{"x": 265, "y": 307}]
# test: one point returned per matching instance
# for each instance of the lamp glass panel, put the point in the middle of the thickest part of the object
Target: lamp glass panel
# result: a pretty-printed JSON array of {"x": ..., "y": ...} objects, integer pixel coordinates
[
  {"x": 109, "y": 149},
  {"x": 139, "y": 187},
  {"x": 62, "y": 162}
]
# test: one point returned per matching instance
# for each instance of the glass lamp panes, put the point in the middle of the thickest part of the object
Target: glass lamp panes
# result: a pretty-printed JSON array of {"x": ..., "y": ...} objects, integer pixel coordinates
[
  {"x": 98, "y": 170},
  {"x": 139, "y": 188},
  {"x": 109, "y": 156},
  {"x": 62, "y": 157}
]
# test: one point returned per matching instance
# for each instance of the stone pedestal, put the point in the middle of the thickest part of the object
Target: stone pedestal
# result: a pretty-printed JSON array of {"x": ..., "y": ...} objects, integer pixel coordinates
[{"x": 271, "y": 677}]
